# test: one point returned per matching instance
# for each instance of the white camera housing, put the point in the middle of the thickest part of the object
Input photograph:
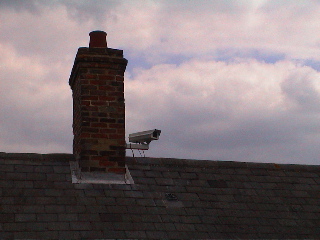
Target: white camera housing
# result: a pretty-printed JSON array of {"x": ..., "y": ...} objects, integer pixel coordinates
[
  {"x": 141, "y": 140},
  {"x": 144, "y": 137}
]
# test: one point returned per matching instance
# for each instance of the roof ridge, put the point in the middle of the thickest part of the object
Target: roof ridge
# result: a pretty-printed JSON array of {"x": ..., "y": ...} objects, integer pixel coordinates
[
  {"x": 37, "y": 156},
  {"x": 150, "y": 161},
  {"x": 220, "y": 164}
]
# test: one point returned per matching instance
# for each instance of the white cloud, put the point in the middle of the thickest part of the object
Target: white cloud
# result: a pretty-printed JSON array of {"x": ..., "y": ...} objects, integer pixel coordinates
[
  {"x": 162, "y": 29},
  {"x": 158, "y": 30},
  {"x": 35, "y": 110},
  {"x": 237, "y": 111}
]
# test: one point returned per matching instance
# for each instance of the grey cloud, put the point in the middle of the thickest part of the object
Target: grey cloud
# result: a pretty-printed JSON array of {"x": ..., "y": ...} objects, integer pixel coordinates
[
  {"x": 79, "y": 9},
  {"x": 58, "y": 28},
  {"x": 29, "y": 125},
  {"x": 24, "y": 130},
  {"x": 300, "y": 87},
  {"x": 21, "y": 5},
  {"x": 245, "y": 118},
  {"x": 35, "y": 114},
  {"x": 219, "y": 6},
  {"x": 96, "y": 10},
  {"x": 280, "y": 140}
]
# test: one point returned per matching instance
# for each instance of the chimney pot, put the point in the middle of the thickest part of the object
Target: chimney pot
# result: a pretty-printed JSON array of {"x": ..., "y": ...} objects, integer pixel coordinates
[{"x": 98, "y": 39}]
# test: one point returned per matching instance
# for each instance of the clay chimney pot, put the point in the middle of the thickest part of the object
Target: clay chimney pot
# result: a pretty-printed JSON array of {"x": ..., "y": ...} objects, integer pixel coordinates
[{"x": 98, "y": 39}]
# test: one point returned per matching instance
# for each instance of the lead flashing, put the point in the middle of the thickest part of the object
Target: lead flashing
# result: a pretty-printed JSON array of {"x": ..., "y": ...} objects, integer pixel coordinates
[{"x": 79, "y": 177}]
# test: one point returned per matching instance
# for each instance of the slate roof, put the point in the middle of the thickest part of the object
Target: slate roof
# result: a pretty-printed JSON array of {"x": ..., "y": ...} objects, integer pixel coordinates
[{"x": 171, "y": 198}]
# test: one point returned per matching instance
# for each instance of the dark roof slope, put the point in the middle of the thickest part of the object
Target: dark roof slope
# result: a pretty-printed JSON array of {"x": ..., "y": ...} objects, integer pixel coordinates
[{"x": 171, "y": 198}]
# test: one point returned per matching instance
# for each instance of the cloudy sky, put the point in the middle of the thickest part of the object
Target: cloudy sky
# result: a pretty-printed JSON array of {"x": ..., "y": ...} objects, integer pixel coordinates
[{"x": 224, "y": 80}]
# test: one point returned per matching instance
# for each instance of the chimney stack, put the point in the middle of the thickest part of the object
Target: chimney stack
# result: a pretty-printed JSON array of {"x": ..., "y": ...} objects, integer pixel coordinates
[{"x": 97, "y": 83}]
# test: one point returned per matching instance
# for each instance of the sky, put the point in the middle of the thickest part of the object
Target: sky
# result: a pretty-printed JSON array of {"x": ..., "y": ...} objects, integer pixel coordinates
[{"x": 229, "y": 80}]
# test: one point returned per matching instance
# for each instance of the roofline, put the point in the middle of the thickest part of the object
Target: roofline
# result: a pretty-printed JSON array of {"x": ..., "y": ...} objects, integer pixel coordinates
[
  {"x": 67, "y": 157},
  {"x": 221, "y": 164}
]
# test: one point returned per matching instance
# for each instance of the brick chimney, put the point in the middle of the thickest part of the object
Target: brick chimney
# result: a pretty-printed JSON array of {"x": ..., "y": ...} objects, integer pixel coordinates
[{"x": 97, "y": 83}]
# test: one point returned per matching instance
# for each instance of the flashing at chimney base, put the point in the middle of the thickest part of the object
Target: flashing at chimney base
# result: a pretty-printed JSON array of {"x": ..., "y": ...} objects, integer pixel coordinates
[{"x": 98, "y": 178}]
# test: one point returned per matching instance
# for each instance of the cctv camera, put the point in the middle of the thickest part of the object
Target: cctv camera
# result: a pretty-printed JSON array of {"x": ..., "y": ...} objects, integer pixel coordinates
[{"x": 144, "y": 137}]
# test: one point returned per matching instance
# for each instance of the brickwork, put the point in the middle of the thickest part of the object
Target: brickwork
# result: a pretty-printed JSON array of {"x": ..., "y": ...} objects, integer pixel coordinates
[{"x": 97, "y": 83}]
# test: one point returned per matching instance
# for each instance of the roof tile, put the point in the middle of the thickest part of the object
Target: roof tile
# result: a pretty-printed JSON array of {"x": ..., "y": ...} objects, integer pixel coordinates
[{"x": 213, "y": 199}]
